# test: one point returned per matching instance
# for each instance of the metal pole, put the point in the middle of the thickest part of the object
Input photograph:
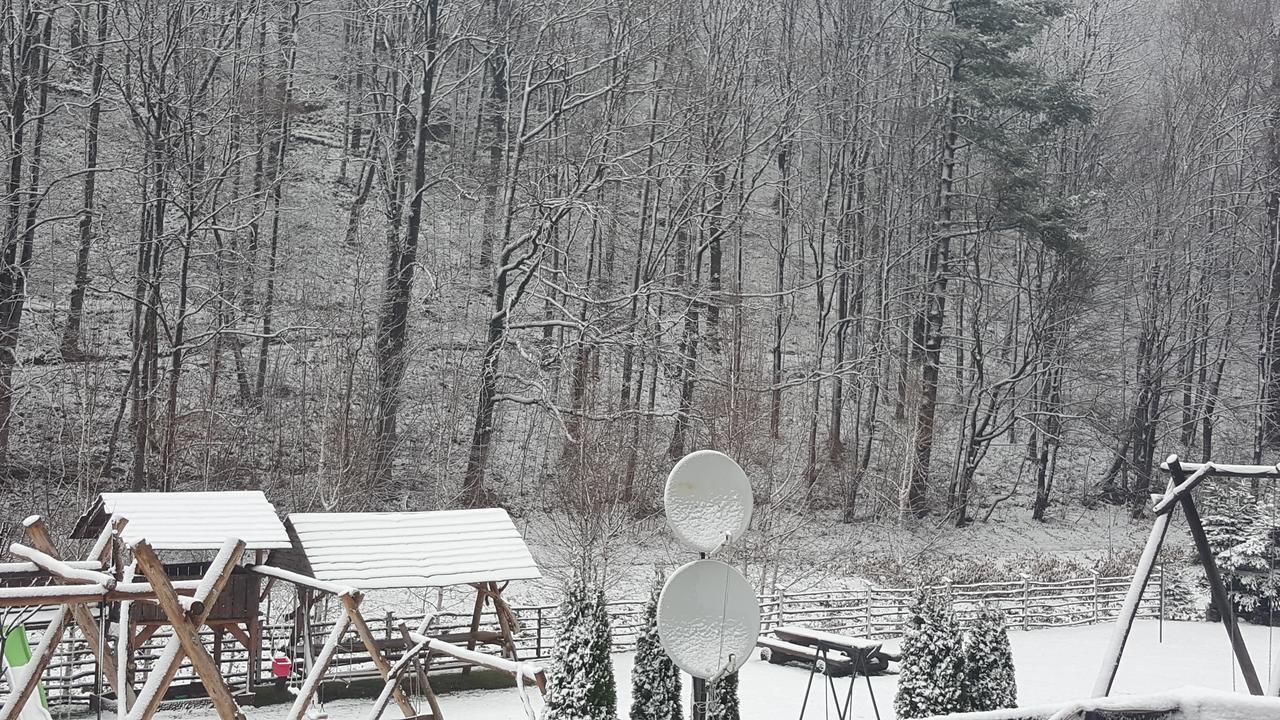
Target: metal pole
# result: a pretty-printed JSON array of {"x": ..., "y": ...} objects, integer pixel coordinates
[
  {"x": 1162, "y": 601},
  {"x": 699, "y": 686},
  {"x": 699, "y": 699}
]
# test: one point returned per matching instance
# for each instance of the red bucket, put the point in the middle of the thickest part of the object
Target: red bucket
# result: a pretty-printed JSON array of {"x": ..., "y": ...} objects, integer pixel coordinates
[{"x": 281, "y": 666}]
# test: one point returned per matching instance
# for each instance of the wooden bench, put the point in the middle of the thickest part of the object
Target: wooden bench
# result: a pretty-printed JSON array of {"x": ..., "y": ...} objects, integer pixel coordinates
[
  {"x": 781, "y": 652},
  {"x": 861, "y": 653}
]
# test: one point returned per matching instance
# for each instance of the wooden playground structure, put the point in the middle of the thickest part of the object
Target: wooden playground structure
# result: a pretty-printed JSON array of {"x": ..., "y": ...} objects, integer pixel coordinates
[
  {"x": 341, "y": 556},
  {"x": 1183, "y": 479}
]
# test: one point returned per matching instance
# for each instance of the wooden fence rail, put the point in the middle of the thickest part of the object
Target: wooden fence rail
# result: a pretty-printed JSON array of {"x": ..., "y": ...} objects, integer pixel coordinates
[{"x": 868, "y": 612}]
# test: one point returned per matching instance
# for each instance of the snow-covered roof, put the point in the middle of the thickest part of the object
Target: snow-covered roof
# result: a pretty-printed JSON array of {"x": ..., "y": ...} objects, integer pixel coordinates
[
  {"x": 385, "y": 550},
  {"x": 188, "y": 520}
]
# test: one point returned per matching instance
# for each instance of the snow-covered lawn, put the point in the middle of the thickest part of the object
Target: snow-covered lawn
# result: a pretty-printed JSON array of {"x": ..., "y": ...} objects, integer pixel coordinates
[{"x": 1052, "y": 666}]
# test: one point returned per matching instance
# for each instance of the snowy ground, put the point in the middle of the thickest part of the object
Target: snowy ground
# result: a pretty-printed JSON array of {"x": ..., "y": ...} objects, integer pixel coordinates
[{"x": 1052, "y": 666}]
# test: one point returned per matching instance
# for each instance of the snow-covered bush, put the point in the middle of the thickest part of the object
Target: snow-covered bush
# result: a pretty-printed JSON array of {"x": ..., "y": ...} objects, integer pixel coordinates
[
  {"x": 931, "y": 679},
  {"x": 581, "y": 685},
  {"x": 722, "y": 698},
  {"x": 1248, "y": 570},
  {"x": 655, "y": 679},
  {"x": 1241, "y": 529},
  {"x": 989, "y": 682}
]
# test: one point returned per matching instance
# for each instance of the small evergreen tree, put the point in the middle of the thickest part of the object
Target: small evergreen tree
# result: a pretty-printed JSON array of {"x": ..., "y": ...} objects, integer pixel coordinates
[
  {"x": 989, "y": 682},
  {"x": 655, "y": 679},
  {"x": 581, "y": 685},
  {"x": 931, "y": 680},
  {"x": 722, "y": 698}
]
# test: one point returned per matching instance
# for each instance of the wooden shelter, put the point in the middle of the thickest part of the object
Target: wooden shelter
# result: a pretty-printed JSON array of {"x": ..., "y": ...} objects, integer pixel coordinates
[
  {"x": 416, "y": 550},
  {"x": 347, "y": 554},
  {"x": 186, "y": 529},
  {"x": 1183, "y": 479}
]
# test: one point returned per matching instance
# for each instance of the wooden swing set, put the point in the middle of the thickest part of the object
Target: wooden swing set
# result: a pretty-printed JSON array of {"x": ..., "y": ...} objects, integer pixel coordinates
[
  {"x": 336, "y": 551},
  {"x": 1183, "y": 479},
  {"x": 73, "y": 587}
]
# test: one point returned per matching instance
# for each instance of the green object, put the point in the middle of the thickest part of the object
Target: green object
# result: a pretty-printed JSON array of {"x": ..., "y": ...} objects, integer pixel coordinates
[{"x": 17, "y": 652}]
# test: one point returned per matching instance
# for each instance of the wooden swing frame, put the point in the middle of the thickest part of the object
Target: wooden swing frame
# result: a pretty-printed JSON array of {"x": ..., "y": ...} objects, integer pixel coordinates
[
  {"x": 1183, "y": 479},
  {"x": 415, "y": 644},
  {"x": 78, "y": 584}
]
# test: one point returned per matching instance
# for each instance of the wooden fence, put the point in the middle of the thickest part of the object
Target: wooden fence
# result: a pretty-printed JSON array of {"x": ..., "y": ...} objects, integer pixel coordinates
[{"x": 871, "y": 612}]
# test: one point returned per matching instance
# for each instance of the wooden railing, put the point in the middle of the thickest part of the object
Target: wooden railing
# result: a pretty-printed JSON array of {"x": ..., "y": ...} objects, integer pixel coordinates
[{"x": 869, "y": 612}]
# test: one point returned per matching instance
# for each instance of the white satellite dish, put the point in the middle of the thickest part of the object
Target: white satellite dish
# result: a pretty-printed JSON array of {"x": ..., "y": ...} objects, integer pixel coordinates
[
  {"x": 708, "y": 618},
  {"x": 708, "y": 500}
]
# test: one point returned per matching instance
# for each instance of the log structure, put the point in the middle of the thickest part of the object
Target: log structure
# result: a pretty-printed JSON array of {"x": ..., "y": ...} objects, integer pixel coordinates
[{"x": 1183, "y": 478}]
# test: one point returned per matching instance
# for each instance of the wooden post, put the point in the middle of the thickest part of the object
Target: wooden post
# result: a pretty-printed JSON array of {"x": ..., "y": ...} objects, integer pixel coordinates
[
  {"x": 316, "y": 670},
  {"x": 421, "y": 669},
  {"x": 187, "y": 632},
  {"x": 539, "y": 650},
  {"x": 39, "y": 537},
  {"x": 28, "y": 676},
  {"x": 867, "y": 624},
  {"x": 166, "y": 667},
  {"x": 1129, "y": 610},
  {"x": 371, "y": 644},
  {"x": 124, "y": 649},
  {"x": 475, "y": 623},
  {"x": 1096, "y": 609},
  {"x": 504, "y": 614},
  {"x": 1219, "y": 591},
  {"x": 1026, "y": 602}
]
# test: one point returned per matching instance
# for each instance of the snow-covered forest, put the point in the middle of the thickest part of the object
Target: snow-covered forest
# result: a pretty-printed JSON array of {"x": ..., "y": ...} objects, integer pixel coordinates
[{"x": 896, "y": 258}]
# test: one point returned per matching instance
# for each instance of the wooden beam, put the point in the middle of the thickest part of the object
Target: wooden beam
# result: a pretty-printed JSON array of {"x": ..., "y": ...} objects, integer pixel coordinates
[
  {"x": 47, "y": 561},
  {"x": 392, "y": 680},
  {"x": 420, "y": 667},
  {"x": 38, "y": 534},
  {"x": 301, "y": 580},
  {"x": 1221, "y": 470},
  {"x": 241, "y": 635},
  {"x": 1171, "y": 498},
  {"x": 29, "y": 568},
  {"x": 187, "y": 633},
  {"x": 1129, "y": 610},
  {"x": 81, "y": 594},
  {"x": 527, "y": 670},
  {"x": 124, "y": 644},
  {"x": 371, "y": 644},
  {"x": 475, "y": 620},
  {"x": 166, "y": 666},
  {"x": 144, "y": 634},
  {"x": 315, "y": 673},
  {"x": 505, "y": 615},
  {"x": 1218, "y": 589},
  {"x": 28, "y": 676}
]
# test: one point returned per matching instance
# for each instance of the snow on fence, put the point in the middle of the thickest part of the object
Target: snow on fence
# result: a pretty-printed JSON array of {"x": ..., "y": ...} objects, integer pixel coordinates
[{"x": 871, "y": 612}]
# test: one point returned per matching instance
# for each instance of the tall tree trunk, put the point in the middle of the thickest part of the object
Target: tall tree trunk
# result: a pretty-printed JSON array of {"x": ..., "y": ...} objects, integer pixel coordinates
[
  {"x": 289, "y": 42},
  {"x": 71, "y": 340},
  {"x": 1270, "y": 356},
  {"x": 933, "y": 316},
  {"x": 393, "y": 325},
  {"x": 31, "y": 56}
]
